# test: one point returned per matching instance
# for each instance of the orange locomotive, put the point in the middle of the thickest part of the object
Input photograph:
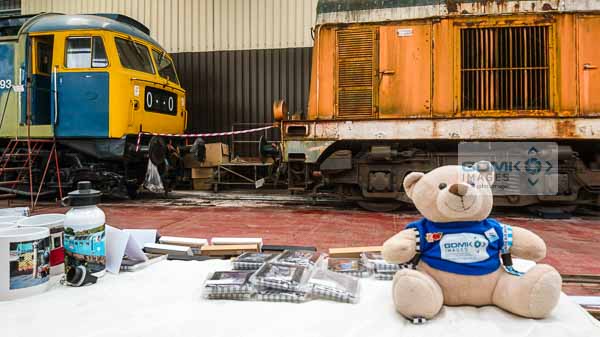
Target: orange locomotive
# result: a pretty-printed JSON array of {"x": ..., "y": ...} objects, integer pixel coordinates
[{"x": 396, "y": 85}]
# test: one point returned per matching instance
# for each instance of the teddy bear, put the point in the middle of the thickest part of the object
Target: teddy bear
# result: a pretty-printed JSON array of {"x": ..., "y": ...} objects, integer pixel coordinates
[{"x": 459, "y": 256}]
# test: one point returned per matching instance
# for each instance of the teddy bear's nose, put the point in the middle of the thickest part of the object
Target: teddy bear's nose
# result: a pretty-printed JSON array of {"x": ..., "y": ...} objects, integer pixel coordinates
[{"x": 459, "y": 189}]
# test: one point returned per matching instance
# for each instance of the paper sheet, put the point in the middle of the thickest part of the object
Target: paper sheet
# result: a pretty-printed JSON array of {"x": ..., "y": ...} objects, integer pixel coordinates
[
  {"x": 122, "y": 242},
  {"x": 116, "y": 241},
  {"x": 590, "y": 301},
  {"x": 143, "y": 236}
]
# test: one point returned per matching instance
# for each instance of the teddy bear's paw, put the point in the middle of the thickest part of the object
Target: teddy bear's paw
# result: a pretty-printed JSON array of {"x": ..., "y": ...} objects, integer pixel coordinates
[{"x": 416, "y": 294}]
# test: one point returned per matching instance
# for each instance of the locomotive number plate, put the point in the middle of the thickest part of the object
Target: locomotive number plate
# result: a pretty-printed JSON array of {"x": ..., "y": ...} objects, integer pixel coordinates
[{"x": 160, "y": 101}]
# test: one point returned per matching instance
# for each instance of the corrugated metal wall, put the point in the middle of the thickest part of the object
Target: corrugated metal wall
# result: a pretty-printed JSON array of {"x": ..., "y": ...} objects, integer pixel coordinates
[
  {"x": 229, "y": 87},
  {"x": 9, "y": 6},
  {"x": 205, "y": 25},
  {"x": 234, "y": 57}
]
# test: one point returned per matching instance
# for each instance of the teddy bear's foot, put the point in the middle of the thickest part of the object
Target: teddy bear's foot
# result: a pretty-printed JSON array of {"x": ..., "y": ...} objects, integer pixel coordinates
[
  {"x": 532, "y": 295},
  {"x": 416, "y": 295}
]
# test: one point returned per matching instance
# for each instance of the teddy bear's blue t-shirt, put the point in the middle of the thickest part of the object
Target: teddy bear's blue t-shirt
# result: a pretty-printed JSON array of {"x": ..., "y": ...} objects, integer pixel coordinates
[{"x": 466, "y": 248}]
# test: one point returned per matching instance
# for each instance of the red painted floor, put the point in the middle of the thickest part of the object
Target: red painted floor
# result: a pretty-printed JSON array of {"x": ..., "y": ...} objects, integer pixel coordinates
[{"x": 573, "y": 245}]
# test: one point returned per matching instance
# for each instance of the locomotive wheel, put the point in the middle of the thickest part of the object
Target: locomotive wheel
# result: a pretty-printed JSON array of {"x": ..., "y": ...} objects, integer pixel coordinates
[
  {"x": 132, "y": 191},
  {"x": 379, "y": 206}
]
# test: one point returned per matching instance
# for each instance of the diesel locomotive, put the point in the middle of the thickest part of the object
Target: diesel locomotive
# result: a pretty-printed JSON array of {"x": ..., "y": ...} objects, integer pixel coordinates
[
  {"x": 396, "y": 86},
  {"x": 92, "y": 82}
]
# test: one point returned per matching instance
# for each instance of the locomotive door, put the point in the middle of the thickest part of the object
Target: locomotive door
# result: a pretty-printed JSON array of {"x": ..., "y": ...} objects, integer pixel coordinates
[
  {"x": 41, "y": 80},
  {"x": 405, "y": 71},
  {"x": 588, "y": 28}
]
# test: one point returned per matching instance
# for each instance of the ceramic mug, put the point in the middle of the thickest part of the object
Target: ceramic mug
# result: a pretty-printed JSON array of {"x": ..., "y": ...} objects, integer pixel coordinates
[
  {"x": 55, "y": 223},
  {"x": 24, "y": 262},
  {"x": 11, "y": 218},
  {"x": 18, "y": 211},
  {"x": 7, "y": 225}
]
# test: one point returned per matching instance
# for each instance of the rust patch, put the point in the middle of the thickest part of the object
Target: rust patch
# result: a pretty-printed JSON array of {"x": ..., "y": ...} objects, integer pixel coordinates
[
  {"x": 452, "y": 6},
  {"x": 547, "y": 7},
  {"x": 566, "y": 128}
]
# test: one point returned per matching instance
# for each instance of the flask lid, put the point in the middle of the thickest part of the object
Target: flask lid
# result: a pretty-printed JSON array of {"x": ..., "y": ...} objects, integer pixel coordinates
[{"x": 84, "y": 195}]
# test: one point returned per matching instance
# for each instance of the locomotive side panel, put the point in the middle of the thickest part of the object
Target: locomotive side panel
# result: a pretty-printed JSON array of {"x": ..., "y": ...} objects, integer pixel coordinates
[
  {"x": 405, "y": 71},
  {"x": 443, "y": 71},
  {"x": 567, "y": 76},
  {"x": 588, "y": 30},
  {"x": 456, "y": 67},
  {"x": 81, "y": 69},
  {"x": 321, "y": 102},
  {"x": 9, "y": 71},
  {"x": 519, "y": 77}
]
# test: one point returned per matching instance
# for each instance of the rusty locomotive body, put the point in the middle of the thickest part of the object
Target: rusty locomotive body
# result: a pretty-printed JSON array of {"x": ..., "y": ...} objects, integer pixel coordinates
[{"x": 397, "y": 85}]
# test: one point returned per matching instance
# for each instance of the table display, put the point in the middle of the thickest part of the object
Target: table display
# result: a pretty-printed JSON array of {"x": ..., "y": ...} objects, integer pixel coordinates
[{"x": 164, "y": 300}]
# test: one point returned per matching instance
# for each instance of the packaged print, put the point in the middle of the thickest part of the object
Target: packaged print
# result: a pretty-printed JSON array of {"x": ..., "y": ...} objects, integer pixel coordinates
[
  {"x": 277, "y": 295},
  {"x": 252, "y": 261},
  {"x": 377, "y": 264},
  {"x": 334, "y": 286},
  {"x": 232, "y": 285},
  {"x": 278, "y": 276},
  {"x": 348, "y": 266},
  {"x": 304, "y": 258},
  {"x": 29, "y": 263},
  {"x": 384, "y": 276}
]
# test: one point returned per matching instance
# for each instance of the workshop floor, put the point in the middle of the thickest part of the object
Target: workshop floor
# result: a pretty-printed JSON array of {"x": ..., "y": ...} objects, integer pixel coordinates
[{"x": 573, "y": 244}]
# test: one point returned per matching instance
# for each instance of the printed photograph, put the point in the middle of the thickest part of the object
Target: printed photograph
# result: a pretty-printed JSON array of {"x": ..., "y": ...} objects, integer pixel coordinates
[
  {"x": 85, "y": 248},
  {"x": 342, "y": 265},
  {"x": 229, "y": 278},
  {"x": 255, "y": 257},
  {"x": 374, "y": 256},
  {"x": 301, "y": 257},
  {"x": 281, "y": 273},
  {"x": 29, "y": 263}
]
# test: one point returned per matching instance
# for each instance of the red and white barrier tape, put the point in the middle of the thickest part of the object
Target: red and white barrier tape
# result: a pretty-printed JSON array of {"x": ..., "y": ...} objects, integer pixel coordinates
[{"x": 196, "y": 135}]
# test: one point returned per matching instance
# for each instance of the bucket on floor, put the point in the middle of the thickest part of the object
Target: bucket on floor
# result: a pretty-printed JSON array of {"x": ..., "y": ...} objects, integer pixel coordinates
[
  {"x": 11, "y": 218},
  {"x": 24, "y": 262},
  {"x": 55, "y": 223}
]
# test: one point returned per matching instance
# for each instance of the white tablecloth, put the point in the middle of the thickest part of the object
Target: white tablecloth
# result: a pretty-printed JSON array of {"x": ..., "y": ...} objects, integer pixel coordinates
[{"x": 165, "y": 299}]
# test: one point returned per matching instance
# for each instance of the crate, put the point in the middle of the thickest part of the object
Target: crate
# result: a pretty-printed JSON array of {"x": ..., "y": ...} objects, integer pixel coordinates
[{"x": 202, "y": 184}]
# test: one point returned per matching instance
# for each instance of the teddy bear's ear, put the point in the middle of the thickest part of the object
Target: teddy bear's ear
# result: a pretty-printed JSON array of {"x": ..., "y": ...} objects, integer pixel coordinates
[
  {"x": 410, "y": 180},
  {"x": 486, "y": 170}
]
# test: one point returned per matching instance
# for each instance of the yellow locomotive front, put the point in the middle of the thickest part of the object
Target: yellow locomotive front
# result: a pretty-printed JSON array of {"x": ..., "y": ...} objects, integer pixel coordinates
[
  {"x": 92, "y": 82},
  {"x": 397, "y": 87}
]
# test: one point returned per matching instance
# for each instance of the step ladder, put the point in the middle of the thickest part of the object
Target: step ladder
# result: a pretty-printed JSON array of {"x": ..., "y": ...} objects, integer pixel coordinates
[{"x": 17, "y": 165}]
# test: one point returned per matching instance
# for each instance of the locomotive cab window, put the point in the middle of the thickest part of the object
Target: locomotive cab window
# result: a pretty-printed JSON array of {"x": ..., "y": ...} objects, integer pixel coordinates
[
  {"x": 505, "y": 68},
  {"x": 165, "y": 66},
  {"x": 134, "y": 56},
  {"x": 85, "y": 52}
]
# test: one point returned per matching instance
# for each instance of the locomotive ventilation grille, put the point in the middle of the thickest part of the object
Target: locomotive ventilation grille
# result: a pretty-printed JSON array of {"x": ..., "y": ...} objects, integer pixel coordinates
[
  {"x": 505, "y": 68},
  {"x": 356, "y": 63}
]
